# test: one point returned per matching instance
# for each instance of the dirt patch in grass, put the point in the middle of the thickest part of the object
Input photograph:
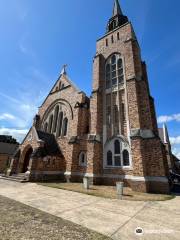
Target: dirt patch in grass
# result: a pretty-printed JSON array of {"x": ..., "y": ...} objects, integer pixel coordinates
[
  {"x": 109, "y": 192},
  {"x": 19, "y": 221}
]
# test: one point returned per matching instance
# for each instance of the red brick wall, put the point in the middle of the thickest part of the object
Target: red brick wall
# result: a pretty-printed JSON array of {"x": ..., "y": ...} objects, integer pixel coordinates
[{"x": 4, "y": 158}]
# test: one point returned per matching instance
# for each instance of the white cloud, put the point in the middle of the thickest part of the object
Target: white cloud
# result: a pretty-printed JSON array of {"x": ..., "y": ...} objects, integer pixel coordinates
[
  {"x": 169, "y": 118},
  {"x": 175, "y": 140},
  {"x": 27, "y": 113},
  {"x": 22, "y": 106},
  {"x": 24, "y": 109},
  {"x": 18, "y": 134},
  {"x": 7, "y": 116},
  {"x": 176, "y": 152}
]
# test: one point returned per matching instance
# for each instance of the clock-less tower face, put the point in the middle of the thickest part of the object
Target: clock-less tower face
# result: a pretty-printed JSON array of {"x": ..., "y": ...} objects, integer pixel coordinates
[
  {"x": 111, "y": 78},
  {"x": 116, "y": 146},
  {"x": 114, "y": 88}
]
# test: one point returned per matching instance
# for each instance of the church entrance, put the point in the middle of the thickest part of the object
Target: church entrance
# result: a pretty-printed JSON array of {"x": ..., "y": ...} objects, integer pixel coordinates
[{"x": 27, "y": 159}]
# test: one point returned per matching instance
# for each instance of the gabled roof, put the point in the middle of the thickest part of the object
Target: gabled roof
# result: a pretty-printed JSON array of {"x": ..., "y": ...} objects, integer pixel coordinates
[
  {"x": 70, "y": 82},
  {"x": 50, "y": 144},
  {"x": 64, "y": 74},
  {"x": 8, "y": 148},
  {"x": 48, "y": 141}
]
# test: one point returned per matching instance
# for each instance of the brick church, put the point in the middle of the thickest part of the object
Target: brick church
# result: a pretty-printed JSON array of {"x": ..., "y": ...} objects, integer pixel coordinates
[{"x": 110, "y": 136}]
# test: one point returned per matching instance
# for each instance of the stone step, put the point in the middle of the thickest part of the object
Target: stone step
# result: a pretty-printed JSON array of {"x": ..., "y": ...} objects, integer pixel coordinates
[
  {"x": 12, "y": 178},
  {"x": 17, "y": 177}
]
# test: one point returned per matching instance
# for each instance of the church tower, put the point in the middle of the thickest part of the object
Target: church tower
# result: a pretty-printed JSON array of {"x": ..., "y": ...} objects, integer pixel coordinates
[{"x": 123, "y": 113}]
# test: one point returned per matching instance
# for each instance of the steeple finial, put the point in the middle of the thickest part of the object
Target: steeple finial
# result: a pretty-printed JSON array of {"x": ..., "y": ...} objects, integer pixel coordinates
[
  {"x": 63, "y": 71},
  {"x": 118, "y": 19},
  {"x": 117, "y": 9}
]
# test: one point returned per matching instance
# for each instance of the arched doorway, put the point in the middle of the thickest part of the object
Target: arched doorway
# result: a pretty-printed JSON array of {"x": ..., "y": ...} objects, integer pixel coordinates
[{"x": 27, "y": 159}]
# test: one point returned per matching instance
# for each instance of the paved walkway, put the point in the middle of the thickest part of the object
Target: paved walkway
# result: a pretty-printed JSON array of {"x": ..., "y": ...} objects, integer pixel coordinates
[{"x": 115, "y": 218}]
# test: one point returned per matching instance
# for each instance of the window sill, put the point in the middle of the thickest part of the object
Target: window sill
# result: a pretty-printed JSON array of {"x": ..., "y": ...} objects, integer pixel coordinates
[
  {"x": 119, "y": 167},
  {"x": 115, "y": 87}
]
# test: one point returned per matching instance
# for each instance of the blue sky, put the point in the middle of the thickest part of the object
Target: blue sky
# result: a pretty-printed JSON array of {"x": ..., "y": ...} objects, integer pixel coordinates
[{"x": 39, "y": 36}]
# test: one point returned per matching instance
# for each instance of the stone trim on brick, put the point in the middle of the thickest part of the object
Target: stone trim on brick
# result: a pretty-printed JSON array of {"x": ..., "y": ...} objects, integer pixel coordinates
[
  {"x": 127, "y": 177},
  {"x": 143, "y": 133}
]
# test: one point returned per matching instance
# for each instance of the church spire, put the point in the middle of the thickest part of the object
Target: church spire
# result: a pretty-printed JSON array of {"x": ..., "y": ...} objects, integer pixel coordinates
[
  {"x": 117, "y": 9},
  {"x": 118, "y": 19}
]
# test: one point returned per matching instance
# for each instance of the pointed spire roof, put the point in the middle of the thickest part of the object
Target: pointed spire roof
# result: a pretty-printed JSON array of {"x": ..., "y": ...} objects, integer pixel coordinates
[
  {"x": 117, "y": 9},
  {"x": 118, "y": 19}
]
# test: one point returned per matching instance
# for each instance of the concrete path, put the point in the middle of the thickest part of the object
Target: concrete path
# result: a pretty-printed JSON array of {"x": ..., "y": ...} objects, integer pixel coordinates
[{"x": 115, "y": 218}]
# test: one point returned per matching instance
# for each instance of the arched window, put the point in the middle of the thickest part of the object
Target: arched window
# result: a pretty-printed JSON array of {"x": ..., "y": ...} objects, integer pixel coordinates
[
  {"x": 112, "y": 25},
  {"x": 117, "y": 160},
  {"x": 120, "y": 63},
  {"x": 109, "y": 158},
  {"x": 59, "y": 85},
  {"x": 65, "y": 125},
  {"x": 82, "y": 159},
  {"x": 60, "y": 120},
  {"x": 46, "y": 127},
  {"x": 55, "y": 118},
  {"x": 117, "y": 153},
  {"x": 114, "y": 71},
  {"x": 126, "y": 158},
  {"x": 50, "y": 123},
  {"x": 113, "y": 59},
  {"x": 117, "y": 148}
]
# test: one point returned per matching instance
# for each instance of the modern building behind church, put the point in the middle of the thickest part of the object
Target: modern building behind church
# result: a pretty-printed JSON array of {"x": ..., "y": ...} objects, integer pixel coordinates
[{"x": 109, "y": 137}]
